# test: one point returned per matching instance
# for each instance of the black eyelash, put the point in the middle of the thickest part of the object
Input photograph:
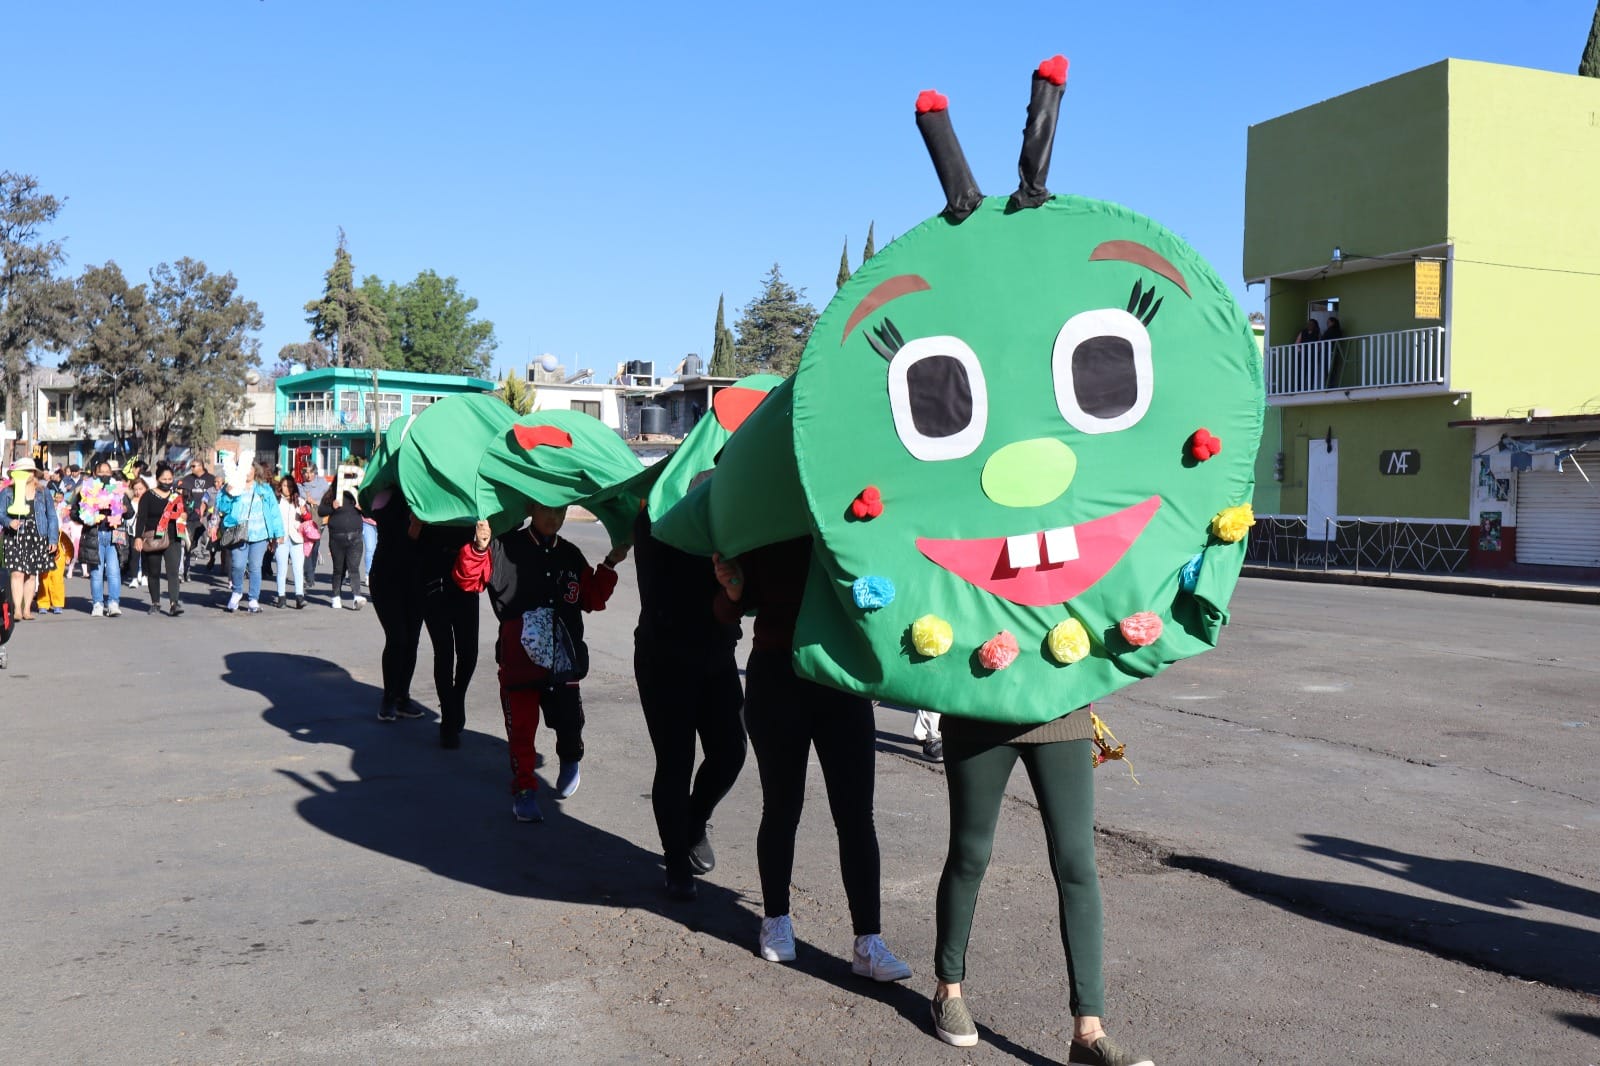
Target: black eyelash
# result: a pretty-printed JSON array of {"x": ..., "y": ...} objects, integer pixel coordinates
[
  {"x": 1139, "y": 305},
  {"x": 885, "y": 339}
]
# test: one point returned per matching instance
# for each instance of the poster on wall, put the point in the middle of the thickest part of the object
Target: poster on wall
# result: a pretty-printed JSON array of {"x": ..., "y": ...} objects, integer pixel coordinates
[{"x": 1489, "y": 531}]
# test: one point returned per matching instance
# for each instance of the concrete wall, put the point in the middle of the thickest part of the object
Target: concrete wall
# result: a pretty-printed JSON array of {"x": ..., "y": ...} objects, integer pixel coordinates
[{"x": 1524, "y": 162}]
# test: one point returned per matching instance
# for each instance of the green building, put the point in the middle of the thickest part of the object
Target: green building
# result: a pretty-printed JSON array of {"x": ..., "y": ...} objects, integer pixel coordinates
[
  {"x": 324, "y": 415},
  {"x": 1447, "y": 220}
]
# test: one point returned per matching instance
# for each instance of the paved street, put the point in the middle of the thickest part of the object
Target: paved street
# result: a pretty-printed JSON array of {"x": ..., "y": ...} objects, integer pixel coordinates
[{"x": 1366, "y": 831}]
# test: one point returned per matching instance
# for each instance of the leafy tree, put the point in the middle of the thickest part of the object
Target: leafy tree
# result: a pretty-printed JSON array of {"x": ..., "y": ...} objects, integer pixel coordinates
[
  {"x": 205, "y": 431},
  {"x": 844, "y": 265},
  {"x": 723, "y": 362},
  {"x": 774, "y": 328},
  {"x": 313, "y": 355},
  {"x": 156, "y": 356},
  {"x": 517, "y": 393},
  {"x": 344, "y": 319},
  {"x": 872, "y": 248},
  {"x": 35, "y": 305},
  {"x": 1589, "y": 65},
  {"x": 431, "y": 326}
]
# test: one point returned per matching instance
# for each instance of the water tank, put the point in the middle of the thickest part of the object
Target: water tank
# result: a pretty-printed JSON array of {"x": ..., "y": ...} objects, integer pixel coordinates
[
  {"x": 652, "y": 419},
  {"x": 691, "y": 365}
]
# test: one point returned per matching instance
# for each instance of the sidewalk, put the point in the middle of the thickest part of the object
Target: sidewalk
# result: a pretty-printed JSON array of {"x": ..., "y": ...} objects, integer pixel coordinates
[{"x": 1511, "y": 585}]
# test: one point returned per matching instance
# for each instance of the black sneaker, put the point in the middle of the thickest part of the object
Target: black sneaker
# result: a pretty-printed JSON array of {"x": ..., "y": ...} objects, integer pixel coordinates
[
  {"x": 1104, "y": 1053},
  {"x": 406, "y": 709},
  {"x": 933, "y": 750},
  {"x": 386, "y": 710},
  {"x": 176, "y": 609},
  {"x": 449, "y": 739},
  {"x": 701, "y": 857},
  {"x": 681, "y": 887}
]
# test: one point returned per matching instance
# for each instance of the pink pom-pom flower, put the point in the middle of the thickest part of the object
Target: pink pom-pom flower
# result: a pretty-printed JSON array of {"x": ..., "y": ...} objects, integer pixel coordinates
[
  {"x": 1142, "y": 629},
  {"x": 999, "y": 651}
]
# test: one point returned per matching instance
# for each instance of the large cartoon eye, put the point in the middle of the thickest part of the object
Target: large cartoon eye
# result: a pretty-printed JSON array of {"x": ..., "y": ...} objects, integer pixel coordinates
[
  {"x": 938, "y": 397},
  {"x": 1102, "y": 370}
]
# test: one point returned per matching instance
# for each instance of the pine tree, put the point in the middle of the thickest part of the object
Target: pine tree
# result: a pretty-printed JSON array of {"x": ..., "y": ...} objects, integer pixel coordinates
[
  {"x": 722, "y": 348},
  {"x": 844, "y": 265},
  {"x": 517, "y": 394},
  {"x": 344, "y": 318},
  {"x": 775, "y": 327},
  {"x": 203, "y": 434},
  {"x": 1589, "y": 66},
  {"x": 872, "y": 248}
]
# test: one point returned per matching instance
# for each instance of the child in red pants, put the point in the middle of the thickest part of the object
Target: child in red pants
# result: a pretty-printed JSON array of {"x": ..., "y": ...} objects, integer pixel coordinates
[{"x": 539, "y": 586}]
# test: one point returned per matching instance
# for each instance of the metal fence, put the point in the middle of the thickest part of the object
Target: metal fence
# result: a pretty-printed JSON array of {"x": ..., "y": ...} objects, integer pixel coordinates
[
  {"x": 1364, "y": 361},
  {"x": 1364, "y": 545}
]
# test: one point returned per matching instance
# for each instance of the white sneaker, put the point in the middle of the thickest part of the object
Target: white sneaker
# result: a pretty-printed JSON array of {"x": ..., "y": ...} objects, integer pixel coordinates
[
  {"x": 872, "y": 958},
  {"x": 777, "y": 939},
  {"x": 337, "y": 603},
  {"x": 97, "y": 611},
  {"x": 113, "y": 610},
  {"x": 358, "y": 599}
]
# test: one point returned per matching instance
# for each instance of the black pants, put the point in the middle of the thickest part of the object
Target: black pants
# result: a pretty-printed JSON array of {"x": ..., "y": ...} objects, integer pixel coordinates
[
  {"x": 172, "y": 559},
  {"x": 346, "y": 549},
  {"x": 785, "y": 716},
  {"x": 681, "y": 698},
  {"x": 400, "y": 614},
  {"x": 452, "y": 620}
]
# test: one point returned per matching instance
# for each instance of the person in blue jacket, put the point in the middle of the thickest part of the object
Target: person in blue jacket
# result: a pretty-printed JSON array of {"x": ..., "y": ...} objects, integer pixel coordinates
[{"x": 247, "y": 502}]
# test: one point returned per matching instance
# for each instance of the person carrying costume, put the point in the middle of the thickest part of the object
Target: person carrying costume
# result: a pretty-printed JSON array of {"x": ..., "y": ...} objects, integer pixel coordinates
[
  {"x": 396, "y": 587},
  {"x": 786, "y": 717},
  {"x": 539, "y": 586},
  {"x": 451, "y": 617}
]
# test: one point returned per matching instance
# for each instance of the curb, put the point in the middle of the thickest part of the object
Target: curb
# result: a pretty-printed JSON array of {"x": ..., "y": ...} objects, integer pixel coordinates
[{"x": 1458, "y": 586}]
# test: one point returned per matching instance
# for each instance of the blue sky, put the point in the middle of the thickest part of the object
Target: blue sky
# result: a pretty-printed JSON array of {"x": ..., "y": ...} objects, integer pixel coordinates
[{"x": 597, "y": 174}]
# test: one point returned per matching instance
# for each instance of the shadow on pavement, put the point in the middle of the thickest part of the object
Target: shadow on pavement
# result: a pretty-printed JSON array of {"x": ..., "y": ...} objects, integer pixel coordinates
[
  {"x": 1584, "y": 1023},
  {"x": 1521, "y": 947},
  {"x": 1477, "y": 882},
  {"x": 449, "y": 812}
]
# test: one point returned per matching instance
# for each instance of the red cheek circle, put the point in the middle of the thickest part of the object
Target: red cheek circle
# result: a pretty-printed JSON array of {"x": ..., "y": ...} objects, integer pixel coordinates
[
  {"x": 733, "y": 405},
  {"x": 531, "y": 437}
]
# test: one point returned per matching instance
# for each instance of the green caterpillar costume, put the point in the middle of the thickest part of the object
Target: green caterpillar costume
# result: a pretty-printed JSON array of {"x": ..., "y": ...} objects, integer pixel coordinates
[{"x": 1006, "y": 439}]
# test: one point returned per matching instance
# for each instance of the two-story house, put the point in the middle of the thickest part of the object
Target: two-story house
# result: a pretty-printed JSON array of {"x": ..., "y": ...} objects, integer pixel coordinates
[{"x": 1446, "y": 220}]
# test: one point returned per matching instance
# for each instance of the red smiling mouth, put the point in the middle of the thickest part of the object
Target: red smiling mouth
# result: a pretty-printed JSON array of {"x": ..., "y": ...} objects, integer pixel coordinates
[{"x": 1073, "y": 557}]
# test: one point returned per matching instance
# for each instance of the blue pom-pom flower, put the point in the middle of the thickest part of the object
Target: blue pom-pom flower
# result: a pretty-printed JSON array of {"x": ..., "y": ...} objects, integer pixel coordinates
[
  {"x": 1189, "y": 576},
  {"x": 872, "y": 593}
]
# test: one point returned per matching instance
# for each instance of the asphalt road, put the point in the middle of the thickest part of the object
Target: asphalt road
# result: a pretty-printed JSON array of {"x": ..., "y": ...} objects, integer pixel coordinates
[{"x": 1365, "y": 832}]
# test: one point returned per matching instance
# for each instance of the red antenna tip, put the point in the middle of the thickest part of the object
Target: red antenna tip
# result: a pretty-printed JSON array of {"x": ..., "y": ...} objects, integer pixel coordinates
[
  {"x": 1054, "y": 70},
  {"x": 932, "y": 100}
]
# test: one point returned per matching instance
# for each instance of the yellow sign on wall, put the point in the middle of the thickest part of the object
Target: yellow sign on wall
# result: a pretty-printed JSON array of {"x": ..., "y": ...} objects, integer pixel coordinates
[{"x": 1429, "y": 287}]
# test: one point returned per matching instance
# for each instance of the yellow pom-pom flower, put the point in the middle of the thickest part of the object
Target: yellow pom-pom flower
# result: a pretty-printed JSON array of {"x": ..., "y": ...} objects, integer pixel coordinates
[
  {"x": 1232, "y": 524},
  {"x": 1068, "y": 641},
  {"x": 931, "y": 636}
]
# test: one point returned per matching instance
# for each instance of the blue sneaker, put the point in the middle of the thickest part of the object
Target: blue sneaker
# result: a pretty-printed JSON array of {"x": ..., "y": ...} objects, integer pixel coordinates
[
  {"x": 526, "y": 806},
  {"x": 568, "y": 780}
]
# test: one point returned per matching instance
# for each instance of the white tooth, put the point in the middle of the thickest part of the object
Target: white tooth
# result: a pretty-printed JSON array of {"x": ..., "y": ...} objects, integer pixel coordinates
[
  {"x": 1022, "y": 552},
  {"x": 1061, "y": 545}
]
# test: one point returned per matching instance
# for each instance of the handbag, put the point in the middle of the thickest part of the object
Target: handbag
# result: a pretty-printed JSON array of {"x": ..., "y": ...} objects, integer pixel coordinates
[
  {"x": 156, "y": 542},
  {"x": 230, "y": 537}
]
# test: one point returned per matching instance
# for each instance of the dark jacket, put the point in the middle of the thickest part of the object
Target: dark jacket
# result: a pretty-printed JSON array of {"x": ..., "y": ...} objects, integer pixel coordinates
[
  {"x": 343, "y": 520},
  {"x": 676, "y": 621}
]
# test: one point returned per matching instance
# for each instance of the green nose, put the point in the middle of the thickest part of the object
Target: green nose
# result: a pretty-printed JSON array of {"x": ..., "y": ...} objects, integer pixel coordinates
[{"x": 1029, "y": 473}]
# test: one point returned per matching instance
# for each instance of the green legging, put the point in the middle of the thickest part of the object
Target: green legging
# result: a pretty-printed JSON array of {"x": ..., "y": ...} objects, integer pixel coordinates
[{"x": 1061, "y": 774}]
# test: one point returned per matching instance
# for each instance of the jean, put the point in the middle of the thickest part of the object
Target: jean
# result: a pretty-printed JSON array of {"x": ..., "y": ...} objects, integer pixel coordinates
[
  {"x": 369, "y": 543},
  {"x": 107, "y": 575},
  {"x": 254, "y": 555},
  {"x": 290, "y": 559}
]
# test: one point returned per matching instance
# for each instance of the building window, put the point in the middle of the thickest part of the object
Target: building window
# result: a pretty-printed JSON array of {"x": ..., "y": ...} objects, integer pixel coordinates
[
  {"x": 391, "y": 405},
  {"x": 422, "y": 400},
  {"x": 350, "y": 409},
  {"x": 307, "y": 403},
  {"x": 588, "y": 407}
]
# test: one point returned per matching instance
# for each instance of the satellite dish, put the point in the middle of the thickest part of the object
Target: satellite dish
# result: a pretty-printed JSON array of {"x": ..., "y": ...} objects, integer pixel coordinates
[
  {"x": 252, "y": 378},
  {"x": 549, "y": 363}
]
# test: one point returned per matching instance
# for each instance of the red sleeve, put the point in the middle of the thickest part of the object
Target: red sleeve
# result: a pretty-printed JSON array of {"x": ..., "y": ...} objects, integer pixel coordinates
[
  {"x": 596, "y": 587},
  {"x": 473, "y": 569}
]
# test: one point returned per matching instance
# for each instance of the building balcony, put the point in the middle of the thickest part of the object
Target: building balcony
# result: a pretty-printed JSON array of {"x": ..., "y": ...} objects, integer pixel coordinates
[
  {"x": 1402, "y": 359},
  {"x": 329, "y": 422}
]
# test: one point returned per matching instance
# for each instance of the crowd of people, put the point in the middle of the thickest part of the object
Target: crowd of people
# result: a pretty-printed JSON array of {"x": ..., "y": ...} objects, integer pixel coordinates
[{"x": 135, "y": 526}]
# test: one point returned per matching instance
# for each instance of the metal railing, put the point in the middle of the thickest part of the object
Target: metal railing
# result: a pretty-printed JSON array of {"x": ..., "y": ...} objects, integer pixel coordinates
[
  {"x": 1365, "y": 361},
  {"x": 331, "y": 421},
  {"x": 1364, "y": 545}
]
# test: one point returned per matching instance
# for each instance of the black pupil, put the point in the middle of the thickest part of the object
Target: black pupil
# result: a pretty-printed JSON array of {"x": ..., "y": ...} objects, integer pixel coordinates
[
  {"x": 941, "y": 396},
  {"x": 1103, "y": 376}
]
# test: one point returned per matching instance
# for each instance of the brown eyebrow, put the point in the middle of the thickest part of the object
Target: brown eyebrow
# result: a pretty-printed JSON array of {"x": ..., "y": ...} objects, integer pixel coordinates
[
  {"x": 882, "y": 293},
  {"x": 1134, "y": 252}
]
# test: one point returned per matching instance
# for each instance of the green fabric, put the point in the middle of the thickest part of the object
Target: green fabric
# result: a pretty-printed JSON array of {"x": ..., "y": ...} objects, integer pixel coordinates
[
  {"x": 1061, "y": 775},
  {"x": 509, "y": 475},
  {"x": 438, "y": 460},
  {"x": 1003, "y": 290},
  {"x": 384, "y": 470}
]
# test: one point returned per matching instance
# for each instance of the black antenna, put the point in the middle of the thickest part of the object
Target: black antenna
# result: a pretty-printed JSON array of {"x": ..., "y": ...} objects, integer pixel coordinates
[
  {"x": 1044, "y": 109},
  {"x": 961, "y": 193}
]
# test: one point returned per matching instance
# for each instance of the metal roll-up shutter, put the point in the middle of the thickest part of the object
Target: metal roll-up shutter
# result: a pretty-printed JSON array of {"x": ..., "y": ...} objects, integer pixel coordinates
[{"x": 1558, "y": 517}]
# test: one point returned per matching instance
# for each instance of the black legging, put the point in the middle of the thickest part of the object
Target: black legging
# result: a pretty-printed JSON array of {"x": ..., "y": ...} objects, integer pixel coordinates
[
  {"x": 785, "y": 716},
  {"x": 400, "y": 613},
  {"x": 452, "y": 620},
  {"x": 346, "y": 549},
  {"x": 172, "y": 559},
  {"x": 976, "y": 776},
  {"x": 681, "y": 698}
]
